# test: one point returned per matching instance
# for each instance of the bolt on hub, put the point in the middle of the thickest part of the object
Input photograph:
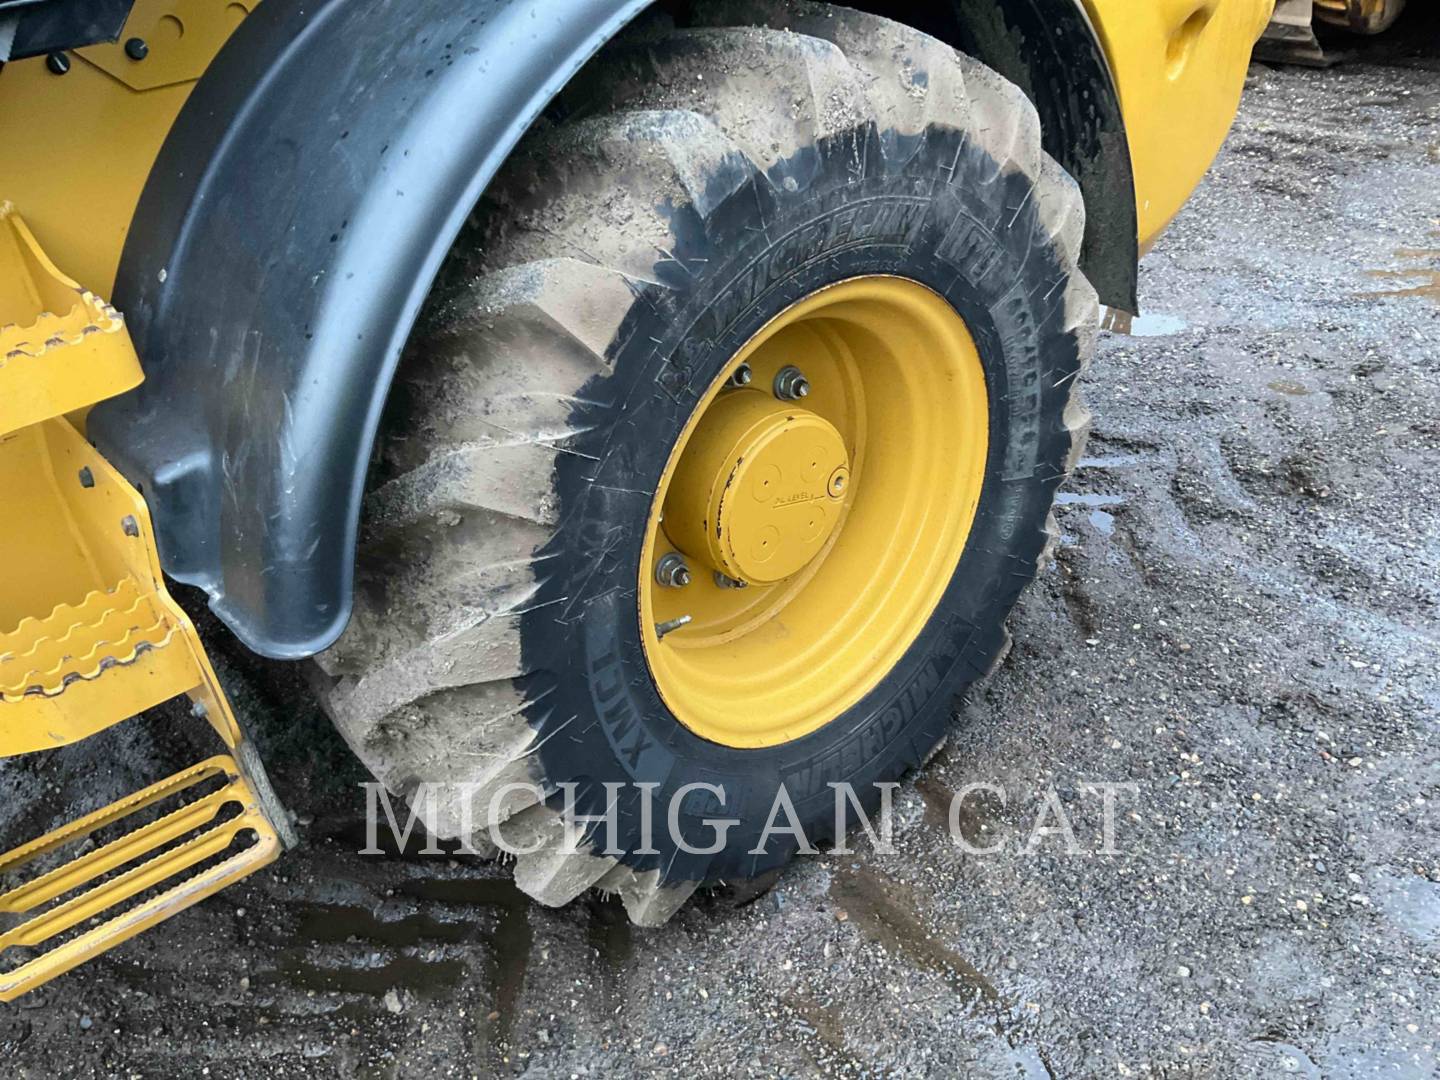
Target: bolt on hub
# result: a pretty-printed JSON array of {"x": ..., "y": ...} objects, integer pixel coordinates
[
  {"x": 672, "y": 571},
  {"x": 791, "y": 384}
]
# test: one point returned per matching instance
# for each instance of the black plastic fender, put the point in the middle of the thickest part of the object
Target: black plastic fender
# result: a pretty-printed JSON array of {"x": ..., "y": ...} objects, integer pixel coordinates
[{"x": 303, "y": 204}]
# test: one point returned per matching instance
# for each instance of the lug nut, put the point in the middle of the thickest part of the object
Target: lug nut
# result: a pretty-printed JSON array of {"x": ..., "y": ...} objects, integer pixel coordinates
[
  {"x": 723, "y": 581},
  {"x": 791, "y": 384},
  {"x": 741, "y": 376},
  {"x": 672, "y": 572}
]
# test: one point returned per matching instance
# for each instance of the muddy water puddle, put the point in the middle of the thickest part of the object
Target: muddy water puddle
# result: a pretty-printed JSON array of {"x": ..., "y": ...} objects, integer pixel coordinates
[
  {"x": 878, "y": 910},
  {"x": 510, "y": 941},
  {"x": 974, "y": 814},
  {"x": 370, "y": 956},
  {"x": 1411, "y": 903},
  {"x": 1420, "y": 278},
  {"x": 886, "y": 912},
  {"x": 432, "y": 980},
  {"x": 1289, "y": 388},
  {"x": 473, "y": 931},
  {"x": 1151, "y": 324},
  {"x": 1101, "y": 519}
]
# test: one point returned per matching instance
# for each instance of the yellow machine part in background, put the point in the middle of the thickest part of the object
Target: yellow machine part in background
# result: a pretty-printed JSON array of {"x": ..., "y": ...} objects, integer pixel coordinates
[
  {"x": 1290, "y": 37},
  {"x": 1360, "y": 16}
]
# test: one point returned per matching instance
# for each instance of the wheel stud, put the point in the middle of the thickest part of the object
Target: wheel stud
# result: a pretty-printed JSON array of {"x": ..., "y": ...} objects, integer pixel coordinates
[
  {"x": 791, "y": 384},
  {"x": 724, "y": 582},
  {"x": 741, "y": 376},
  {"x": 672, "y": 572},
  {"x": 661, "y": 629}
]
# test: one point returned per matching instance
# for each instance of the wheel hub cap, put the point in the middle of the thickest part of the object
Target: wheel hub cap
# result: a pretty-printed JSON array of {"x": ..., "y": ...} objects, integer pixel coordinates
[{"x": 759, "y": 489}]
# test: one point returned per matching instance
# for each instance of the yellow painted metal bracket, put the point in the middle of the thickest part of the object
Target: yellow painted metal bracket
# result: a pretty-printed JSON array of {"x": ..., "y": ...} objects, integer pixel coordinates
[
  {"x": 89, "y": 636},
  {"x": 105, "y": 640},
  {"x": 44, "y": 315}
]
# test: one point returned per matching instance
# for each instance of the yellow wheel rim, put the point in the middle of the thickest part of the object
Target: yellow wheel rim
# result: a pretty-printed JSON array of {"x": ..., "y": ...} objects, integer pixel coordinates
[{"x": 808, "y": 523}]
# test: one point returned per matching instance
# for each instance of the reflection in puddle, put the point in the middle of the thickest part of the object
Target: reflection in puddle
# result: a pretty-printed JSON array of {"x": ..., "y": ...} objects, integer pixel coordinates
[
  {"x": 510, "y": 943},
  {"x": 1155, "y": 324},
  {"x": 377, "y": 956},
  {"x": 349, "y": 951},
  {"x": 334, "y": 924},
  {"x": 1078, "y": 498},
  {"x": 433, "y": 980},
  {"x": 1102, "y": 521},
  {"x": 1112, "y": 461}
]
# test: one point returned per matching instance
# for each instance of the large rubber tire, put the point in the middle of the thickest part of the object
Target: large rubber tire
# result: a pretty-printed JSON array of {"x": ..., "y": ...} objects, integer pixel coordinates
[{"x": 709, "y": 177}]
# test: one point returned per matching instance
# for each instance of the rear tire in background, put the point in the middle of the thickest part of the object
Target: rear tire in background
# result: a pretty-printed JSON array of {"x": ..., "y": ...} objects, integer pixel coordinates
[{"x": 795, "y": 180}]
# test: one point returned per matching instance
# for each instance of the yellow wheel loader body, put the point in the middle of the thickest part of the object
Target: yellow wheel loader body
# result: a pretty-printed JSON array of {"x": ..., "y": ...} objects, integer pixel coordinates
[
  {"x": 1179, "y": 66},
  {"x": 89, "y": 635}
]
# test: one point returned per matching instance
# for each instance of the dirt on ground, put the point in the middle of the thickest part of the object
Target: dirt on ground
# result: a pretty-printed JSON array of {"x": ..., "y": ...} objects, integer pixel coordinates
[{"x": 1242, "y": 624}]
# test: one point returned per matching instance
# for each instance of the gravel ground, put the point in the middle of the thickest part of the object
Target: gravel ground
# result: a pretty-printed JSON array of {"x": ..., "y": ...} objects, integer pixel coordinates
[{"x": 1242, "y": 623}]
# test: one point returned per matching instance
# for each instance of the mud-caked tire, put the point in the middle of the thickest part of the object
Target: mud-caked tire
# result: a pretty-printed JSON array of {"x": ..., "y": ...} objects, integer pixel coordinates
[{"x": 707, "y": 179}]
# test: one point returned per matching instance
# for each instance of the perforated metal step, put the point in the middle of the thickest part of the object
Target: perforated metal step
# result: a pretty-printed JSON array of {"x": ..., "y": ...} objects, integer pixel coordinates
[{"x": 178, "y": 842}]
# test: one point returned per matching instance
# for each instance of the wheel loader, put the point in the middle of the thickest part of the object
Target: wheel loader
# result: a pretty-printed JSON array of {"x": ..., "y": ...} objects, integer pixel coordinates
[{"x": 632, "y": 414}]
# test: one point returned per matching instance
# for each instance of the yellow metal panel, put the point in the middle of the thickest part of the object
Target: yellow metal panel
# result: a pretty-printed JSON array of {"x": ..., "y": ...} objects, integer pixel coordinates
[
  {"x": 1180, "y": 66},
  {"x": 52, "y": 563},
  {"x": 182, "y": 36},
  {"x": 80, "y": 146},
  {"x": 79, "y": 184}
]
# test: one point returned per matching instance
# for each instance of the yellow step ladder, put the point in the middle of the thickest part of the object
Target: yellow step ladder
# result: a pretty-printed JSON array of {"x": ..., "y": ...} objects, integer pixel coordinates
[{"x": 89, "y": 637}]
